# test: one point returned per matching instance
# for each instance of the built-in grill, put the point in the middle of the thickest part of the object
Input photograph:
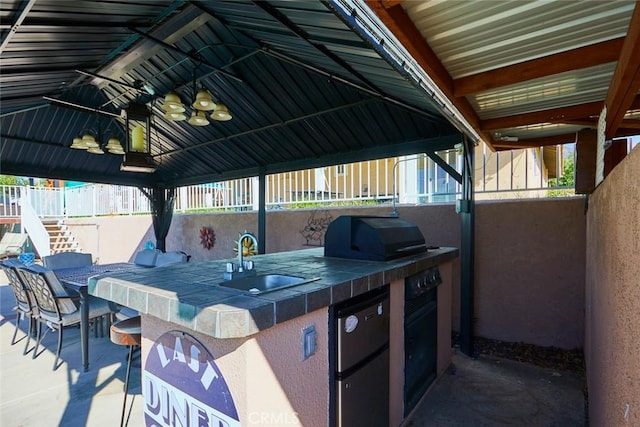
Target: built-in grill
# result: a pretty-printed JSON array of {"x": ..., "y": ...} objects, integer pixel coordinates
[{"x": 374, "y": 238}]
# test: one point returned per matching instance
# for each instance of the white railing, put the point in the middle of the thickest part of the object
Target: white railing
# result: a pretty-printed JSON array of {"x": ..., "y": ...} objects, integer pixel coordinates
[
  {"x": 33, "y": 226},
  {"x": 10, "y": 200},
  {"x": 101, "y": 199},
  {"x": 413, "y": 179}
]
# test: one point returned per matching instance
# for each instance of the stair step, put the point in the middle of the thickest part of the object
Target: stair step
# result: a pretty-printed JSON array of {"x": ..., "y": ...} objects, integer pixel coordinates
[{"x": 60, "y": 238}]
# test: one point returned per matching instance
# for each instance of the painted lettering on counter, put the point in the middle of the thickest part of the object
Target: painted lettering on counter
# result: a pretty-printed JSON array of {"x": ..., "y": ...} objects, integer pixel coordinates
[
  {"x": 209, "y": 373},
  {"x": 167, "y": 407},
  {"x": 183, "y": 386}
]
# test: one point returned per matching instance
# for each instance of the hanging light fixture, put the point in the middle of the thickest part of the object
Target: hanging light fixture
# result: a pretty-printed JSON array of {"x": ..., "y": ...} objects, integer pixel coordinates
[
  {"x": 137, "y": 156},
  {"x": 203, "y": 101},
  {"x": 175, "y": 116},
  {"x": 89, "y": 140},
  {"x": 114, "y": 146},
  {"x": 95, "y": 150},
  {"x": 173, "y": 107},
  {"x": 221, "y": 113},
  {"x": 198, "y": 118},
  {"x": 175, "y": 111},
  {"x": 78, "y": 144}
]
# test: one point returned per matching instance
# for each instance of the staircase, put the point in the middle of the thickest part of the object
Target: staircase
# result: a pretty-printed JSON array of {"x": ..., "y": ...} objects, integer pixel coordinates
[{"x": 60, "y": 237}]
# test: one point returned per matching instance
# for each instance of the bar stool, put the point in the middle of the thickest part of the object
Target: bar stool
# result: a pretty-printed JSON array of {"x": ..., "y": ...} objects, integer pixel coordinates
[{"x": 126, "y": 332}]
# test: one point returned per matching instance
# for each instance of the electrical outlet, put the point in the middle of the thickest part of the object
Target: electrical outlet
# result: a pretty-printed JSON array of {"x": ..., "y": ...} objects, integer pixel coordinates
[{"x": 309, "y": 336}]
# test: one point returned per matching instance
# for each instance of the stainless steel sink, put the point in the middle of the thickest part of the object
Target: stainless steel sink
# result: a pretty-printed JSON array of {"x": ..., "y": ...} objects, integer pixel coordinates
[{"x": 262, "y": 283}]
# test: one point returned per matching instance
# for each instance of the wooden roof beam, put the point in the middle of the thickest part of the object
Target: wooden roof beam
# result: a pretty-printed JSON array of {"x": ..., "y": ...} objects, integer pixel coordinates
[
  {"x": 397, "y": 20},
  {"x": 584, "y": 57},
  {"x": 555, "y": 115},
  {"x": 625, "y": 83},
  {"x": 535, "y": 142},
  {"x": 391, "y": 3}
]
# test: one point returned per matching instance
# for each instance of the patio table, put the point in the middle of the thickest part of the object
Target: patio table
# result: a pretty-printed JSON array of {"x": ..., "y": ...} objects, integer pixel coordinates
[{"x": 77, "y": 279}]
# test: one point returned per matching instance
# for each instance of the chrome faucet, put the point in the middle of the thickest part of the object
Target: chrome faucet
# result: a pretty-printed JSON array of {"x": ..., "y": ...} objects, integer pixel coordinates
[{"x": 241, "y": 248}]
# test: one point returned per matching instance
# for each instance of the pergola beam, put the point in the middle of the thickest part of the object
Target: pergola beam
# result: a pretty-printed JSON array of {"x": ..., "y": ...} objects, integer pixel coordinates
[
  {"x": 625, "y": 83},
  {"x": 584, "y": 57},
  {"x": 535, "y": 142},
  {"x": 397, "y": 20},
  {"x": 554, "y": 115}
]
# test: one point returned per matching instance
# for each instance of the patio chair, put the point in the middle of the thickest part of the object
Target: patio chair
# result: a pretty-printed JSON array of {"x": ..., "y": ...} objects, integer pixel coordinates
[
  {"x": 12, "y": 244},
  {"x": 26, "y": 305},
  {"x": 172, "y": 257},
  {"x": 67, "y": 260},
  {"x": 57, "y": 309}
]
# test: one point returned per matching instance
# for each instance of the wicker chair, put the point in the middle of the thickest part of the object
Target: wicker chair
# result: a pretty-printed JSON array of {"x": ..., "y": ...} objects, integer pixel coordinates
[
  {"x": 26, "y": 304},
  {"x": 57, "y": 308}
]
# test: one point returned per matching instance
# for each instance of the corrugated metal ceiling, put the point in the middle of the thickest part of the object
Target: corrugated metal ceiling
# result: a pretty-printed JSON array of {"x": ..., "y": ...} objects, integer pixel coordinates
[{"x": 470, "y": 38}]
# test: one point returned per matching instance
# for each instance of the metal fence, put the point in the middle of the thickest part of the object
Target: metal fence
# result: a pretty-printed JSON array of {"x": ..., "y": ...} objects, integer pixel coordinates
[{"x": 404, "y": 180}]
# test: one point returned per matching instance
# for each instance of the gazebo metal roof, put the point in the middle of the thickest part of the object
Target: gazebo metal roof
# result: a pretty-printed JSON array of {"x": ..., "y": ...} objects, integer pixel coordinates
[{"x": 306, "y": 85}]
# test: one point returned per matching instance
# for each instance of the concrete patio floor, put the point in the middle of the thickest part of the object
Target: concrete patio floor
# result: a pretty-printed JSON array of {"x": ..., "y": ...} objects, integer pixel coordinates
[{"x": 473, "y": 392}]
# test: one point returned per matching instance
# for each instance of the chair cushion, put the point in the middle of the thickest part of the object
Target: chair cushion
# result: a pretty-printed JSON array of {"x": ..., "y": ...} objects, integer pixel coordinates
[
  {"x": 147, "y": 257},
  {"x": 97, "y": 307},
  {"x": 173, "y": 257}
]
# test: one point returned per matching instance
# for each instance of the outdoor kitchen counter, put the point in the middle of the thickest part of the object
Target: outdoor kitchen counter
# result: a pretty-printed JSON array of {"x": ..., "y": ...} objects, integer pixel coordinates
[
  {"x": 186, "y": 295},
  {"x": 218, "y": 357}
]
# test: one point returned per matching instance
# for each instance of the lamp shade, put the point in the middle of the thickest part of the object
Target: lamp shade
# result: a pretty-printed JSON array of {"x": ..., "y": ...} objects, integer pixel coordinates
[
  {"x": 203, "y": 101},
  {"x": 78, "y": 144},
  {"x": 198, "y": 119},
  {"x": 172, "y": 103},
  {"x": 221, "y": 113},
  {"x": 95, "y": 150},
  {"x": 175, "y": 116},
  {"x": 89, "y": 140},
  {"x": 114, "y": 146}
]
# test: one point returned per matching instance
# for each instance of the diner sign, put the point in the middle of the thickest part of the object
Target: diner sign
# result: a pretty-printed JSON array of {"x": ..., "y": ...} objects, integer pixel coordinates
[{"x": 183, "y": 386}]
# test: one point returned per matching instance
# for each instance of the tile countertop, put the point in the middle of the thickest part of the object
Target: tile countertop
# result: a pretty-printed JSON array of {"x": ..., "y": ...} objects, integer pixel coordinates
[{"x": 187, "y": 295}]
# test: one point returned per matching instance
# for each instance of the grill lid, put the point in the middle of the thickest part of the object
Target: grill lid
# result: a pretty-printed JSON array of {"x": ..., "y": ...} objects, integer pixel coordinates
[{"x": 374, "y": 238}]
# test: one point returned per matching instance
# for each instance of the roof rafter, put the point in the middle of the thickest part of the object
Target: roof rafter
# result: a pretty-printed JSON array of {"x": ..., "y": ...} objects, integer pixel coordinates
[
  {"x": 22, "y": 14},
  {"x": 282, "y": 18},
  {"x": 535, "y": 142},
  {"x": 555, "y": 115},
  {"x": 585, "y": 57},
  {"x": 625, "y": 83},
  {"x": 397, "y": 20}
]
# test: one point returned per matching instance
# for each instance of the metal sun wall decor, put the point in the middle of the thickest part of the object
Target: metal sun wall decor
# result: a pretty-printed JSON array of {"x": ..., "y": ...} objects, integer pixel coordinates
[
  {"x": 316, "y": 226},
  {"x": 207, "y": 237}
]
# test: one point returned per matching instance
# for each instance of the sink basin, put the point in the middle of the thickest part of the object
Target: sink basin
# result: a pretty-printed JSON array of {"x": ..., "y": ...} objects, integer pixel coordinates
[{"x": 262, "y": 283}]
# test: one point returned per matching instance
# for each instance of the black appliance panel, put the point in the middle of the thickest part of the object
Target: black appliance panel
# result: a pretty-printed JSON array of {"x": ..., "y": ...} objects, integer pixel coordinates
[
  {"x": 420, "y": 335},
  {"x": 359, "y": 360},
  {"x": 372, "y": 238}
]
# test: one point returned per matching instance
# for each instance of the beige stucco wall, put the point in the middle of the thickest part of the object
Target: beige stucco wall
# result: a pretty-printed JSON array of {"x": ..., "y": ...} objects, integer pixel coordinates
[
  {"x": 529, "y": 256},
  {"x": 612, "y": 347},
  {"x": 529, "y": 271}
]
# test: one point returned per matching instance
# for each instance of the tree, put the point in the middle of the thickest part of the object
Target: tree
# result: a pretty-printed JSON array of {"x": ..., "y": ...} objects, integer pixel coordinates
[
  {"x": 566, "y": 180},
  {"x": 11, "y": 180},
  {"x": 568, "y": 174}
]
